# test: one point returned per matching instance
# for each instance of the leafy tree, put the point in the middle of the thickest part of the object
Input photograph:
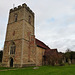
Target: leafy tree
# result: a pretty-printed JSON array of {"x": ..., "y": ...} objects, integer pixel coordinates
[
  {"x": 69, "y": 55},
  {"x": 51, "y": 57}
]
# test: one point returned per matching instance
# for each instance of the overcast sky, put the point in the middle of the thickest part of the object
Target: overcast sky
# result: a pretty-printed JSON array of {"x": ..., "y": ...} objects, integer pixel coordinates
[{"x": 54, "y": 21}]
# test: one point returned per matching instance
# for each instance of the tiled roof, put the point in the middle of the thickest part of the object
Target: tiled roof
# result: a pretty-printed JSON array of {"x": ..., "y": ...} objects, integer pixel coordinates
[
  {"x": 54, "y": 50},
  {"x": 41, "y": 44}
]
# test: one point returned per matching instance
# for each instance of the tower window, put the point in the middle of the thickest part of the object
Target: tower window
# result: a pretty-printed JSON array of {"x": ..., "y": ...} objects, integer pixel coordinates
[
  {"x": 16, "y": 17},
  {"x": 29, "y": 20},
  {"x": 13, "y": 33},
  {"x": 12, "y": 48}
]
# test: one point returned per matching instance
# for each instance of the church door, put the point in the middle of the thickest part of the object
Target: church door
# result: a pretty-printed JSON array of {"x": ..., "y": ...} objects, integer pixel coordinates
[{"x": 11, "y": 62}]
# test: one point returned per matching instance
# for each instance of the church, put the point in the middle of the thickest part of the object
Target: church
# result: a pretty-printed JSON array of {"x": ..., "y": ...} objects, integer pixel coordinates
[{"x": 21, "y": 48}]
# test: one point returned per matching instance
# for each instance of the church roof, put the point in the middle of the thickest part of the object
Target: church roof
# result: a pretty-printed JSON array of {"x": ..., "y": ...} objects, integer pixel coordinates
[
  {"x": 54, "y": 50},
  {"x": 41, "y": 44}
]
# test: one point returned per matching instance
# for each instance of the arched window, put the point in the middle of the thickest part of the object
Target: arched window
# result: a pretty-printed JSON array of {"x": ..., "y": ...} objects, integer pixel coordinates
[
  {"x": 12, "y": 48},
  {"x": 16, "y": 17},
  {"x": 29, "y": 20}
]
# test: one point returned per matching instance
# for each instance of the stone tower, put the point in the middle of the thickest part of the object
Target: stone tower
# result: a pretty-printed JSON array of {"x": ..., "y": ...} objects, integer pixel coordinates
[{"x": 19, "y": 47}]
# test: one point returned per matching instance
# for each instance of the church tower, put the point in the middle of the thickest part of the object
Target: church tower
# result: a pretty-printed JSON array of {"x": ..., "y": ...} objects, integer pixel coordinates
[{"x": 19, "y": 48}]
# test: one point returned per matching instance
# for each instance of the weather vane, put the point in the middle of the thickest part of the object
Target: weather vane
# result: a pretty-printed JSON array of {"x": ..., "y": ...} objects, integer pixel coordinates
[{"x": 13, "y": 5}]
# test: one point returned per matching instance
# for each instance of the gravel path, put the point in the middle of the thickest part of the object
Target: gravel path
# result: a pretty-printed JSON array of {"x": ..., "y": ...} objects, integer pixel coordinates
[{"x": 8, "y": 69}]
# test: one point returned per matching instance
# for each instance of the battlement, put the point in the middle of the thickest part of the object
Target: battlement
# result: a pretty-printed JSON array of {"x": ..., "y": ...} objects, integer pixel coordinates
[{"x": 21, "y": 6}]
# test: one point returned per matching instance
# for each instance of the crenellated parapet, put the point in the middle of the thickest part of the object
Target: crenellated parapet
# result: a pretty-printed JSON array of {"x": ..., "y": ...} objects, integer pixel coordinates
[{"x": 21, "y": 6}]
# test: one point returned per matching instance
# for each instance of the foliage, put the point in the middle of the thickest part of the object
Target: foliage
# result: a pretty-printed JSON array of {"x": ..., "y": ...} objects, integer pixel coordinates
[
  {"x": 69, "y": 55},
  {"x": 53, "y": 57}
]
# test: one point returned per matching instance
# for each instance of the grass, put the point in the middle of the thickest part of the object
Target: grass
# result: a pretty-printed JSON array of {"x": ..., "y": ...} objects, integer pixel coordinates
[{"x": 43, "y": 70}]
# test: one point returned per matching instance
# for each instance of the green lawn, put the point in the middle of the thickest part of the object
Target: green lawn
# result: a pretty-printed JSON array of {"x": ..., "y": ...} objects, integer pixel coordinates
[{"x": 44, "y": 70}]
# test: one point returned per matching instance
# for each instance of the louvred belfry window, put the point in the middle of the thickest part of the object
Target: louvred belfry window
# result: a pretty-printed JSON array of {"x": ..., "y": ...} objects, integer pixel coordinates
[
  {"x": 29, "y": 20},
  {"x": 16, "y": 17}
]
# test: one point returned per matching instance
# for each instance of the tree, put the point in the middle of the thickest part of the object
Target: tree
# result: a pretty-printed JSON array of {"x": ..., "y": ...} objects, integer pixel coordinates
[
  {"x": 51, "y": 57},
  {"x": 69, "y": 55}
]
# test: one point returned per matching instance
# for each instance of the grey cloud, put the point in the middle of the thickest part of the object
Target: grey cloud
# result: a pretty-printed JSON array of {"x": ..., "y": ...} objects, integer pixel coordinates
[
  {"x": 63, "y": 44},
  {"x": 51, "y": 33}
]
